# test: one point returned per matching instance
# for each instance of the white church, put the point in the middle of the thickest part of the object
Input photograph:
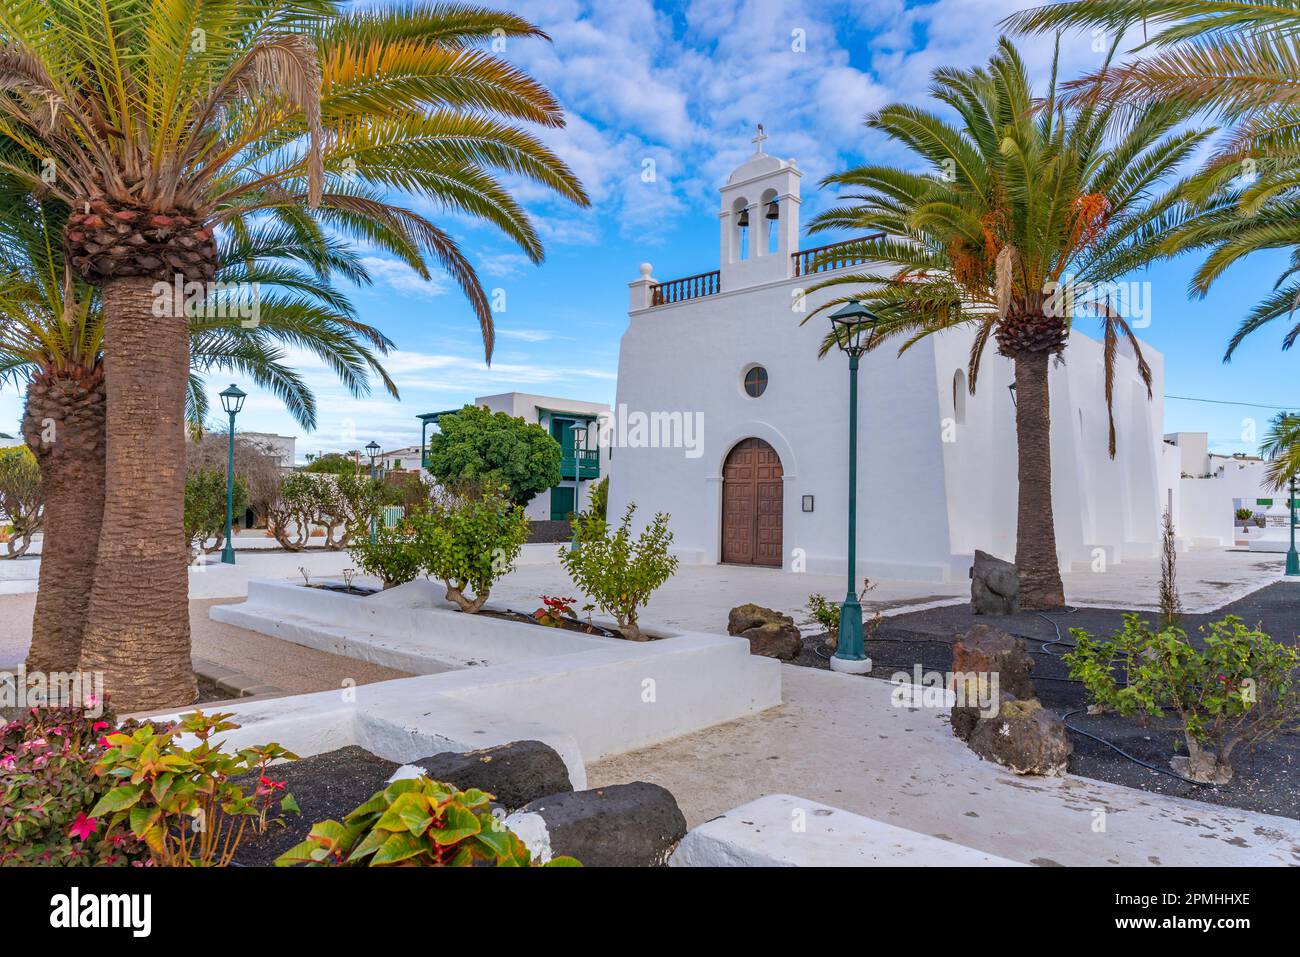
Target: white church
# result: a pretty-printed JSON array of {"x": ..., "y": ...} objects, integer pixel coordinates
[{"x": 763, "y": 477}]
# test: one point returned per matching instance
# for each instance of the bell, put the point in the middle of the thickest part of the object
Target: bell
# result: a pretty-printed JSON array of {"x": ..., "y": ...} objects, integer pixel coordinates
[
  {"x": 743, "y": 220},
  {"x": 773, "y": 210}
]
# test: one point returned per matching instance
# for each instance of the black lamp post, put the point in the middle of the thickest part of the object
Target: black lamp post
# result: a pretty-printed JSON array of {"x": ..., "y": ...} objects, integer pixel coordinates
[
  {"x": 232, "y": 400},
  {"x": 851, "y": 324},
  {"x": 373, "y": 450}
]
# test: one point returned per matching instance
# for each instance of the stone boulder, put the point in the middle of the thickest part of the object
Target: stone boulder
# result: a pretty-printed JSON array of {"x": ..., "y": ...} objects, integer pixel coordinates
[
  {"x": 994, "y": 586},
  {"x": 513, "y": 773},
  {"x": 770, "y": 633},
  {"x": 623, "y": 825},
  {"x": 982, "y": 652},
  {"x": 1023, "y": 737}
]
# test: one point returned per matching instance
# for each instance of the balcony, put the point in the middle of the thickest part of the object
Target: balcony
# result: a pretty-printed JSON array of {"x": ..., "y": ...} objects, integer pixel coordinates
[
  {"x": 809, "y": 262},
  {"x": 586, "y": 462},
  {"x": 692, "y": 287}
]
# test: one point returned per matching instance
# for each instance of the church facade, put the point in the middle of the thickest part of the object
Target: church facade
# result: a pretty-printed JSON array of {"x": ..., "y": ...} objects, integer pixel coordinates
[{"x": 726, "y": 419}]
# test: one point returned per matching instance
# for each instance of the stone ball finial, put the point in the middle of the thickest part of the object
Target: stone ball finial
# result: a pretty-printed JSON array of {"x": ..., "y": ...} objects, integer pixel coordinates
[{"x": 646, "y": 270}]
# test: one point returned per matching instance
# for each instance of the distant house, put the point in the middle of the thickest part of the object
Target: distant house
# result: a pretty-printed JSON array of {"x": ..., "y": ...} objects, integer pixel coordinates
[
  {"x": 405, "y": 459},
  {"x": 583, "y": 462},
  {"x": 283, "y": 447}
]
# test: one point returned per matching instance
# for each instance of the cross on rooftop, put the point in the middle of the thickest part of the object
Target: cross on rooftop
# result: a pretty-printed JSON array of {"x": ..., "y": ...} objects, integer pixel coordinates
[{"x": 759, "y": 138}]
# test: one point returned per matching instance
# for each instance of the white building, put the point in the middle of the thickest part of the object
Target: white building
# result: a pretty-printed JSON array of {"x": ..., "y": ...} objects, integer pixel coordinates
[
  {"x": 570, "y": 422},
  {"x": 1206, "y": 489},
  {"x": 727, "y": 419},
  {"x": 283, "y": 447}
]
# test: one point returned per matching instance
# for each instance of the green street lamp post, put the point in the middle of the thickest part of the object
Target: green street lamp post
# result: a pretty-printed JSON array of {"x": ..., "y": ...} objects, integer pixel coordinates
[
  {"x": 373, "y": 451},
  {"x": 1292, "y": 559},
  {"x": 232, "y": 400},
  {"x": 851, "y": 324}
]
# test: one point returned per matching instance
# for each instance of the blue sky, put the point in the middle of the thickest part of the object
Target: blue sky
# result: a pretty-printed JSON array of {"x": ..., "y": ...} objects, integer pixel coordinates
[{"x": 682, "y": 85}]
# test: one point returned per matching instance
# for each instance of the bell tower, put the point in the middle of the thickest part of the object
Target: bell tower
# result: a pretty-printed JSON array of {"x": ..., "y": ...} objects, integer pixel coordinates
[{"x": 759, "y": 220}]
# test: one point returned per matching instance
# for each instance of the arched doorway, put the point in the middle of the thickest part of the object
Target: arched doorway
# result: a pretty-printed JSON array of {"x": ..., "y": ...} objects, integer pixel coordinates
[{"x": 752, "y": 505}]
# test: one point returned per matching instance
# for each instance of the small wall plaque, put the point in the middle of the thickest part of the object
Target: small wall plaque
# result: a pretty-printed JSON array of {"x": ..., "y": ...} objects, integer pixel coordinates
[{"x": 807, "y": 503}]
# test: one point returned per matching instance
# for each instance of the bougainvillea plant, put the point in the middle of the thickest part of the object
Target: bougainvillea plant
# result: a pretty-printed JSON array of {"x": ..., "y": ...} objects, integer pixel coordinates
[
  {"x": 416, "y": 822},
  {"x": 183, "y": 803},
  {"x": 48, "y": 788}
]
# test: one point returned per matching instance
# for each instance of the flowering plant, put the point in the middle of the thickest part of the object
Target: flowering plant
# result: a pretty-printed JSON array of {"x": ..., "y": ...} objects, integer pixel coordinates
[
  {"x": 48, "y": 787},
  {"x": 554, "y": 611},
  {"x": 183, "y": 803}
]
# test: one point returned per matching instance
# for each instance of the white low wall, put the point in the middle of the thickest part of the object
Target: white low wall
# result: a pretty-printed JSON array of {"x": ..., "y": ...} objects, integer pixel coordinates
[
  {"x": 601, "y": 696},
  {"x": 781, "y": 830}
]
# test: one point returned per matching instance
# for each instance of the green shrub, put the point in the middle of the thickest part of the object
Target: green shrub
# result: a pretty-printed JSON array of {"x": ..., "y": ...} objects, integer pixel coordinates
[
  {"x": 394, "y": 557},
  {"x": 22, "y": 498},
  {"x": 470, "y": 543},
  {"x": 205, "y": 508},
  {"x": 49, "y": 787},
  {"x": 415, "y": 822},
  {"x": 182, "y": 802},
  {"x": 1239, "y": 688},
  {"x": 616, "y": 572},
  {"x": 599, "y": 501}
]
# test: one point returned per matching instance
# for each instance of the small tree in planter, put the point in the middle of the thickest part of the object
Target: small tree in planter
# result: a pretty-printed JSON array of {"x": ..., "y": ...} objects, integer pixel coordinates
[
  {"x": 393, "y": 557},
  {"x": 1243, "y": 518},
  {"x": 470, "y": 542},
  {"x": 22, "y": 498},
  {"x": 617, "y": 573},
  {"x": 1240, "y": 688}
]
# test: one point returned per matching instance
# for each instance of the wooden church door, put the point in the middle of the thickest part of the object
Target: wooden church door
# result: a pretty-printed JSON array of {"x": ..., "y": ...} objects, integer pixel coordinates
[{"x": 752, "y": 505}]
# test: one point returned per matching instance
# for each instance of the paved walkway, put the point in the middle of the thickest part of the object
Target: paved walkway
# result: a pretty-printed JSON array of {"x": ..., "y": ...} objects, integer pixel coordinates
[
  {"x": 293, "y": 669},
  {"x": 840, "y": 741}
]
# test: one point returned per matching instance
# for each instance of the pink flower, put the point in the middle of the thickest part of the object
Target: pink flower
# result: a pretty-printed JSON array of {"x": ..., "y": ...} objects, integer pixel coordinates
[
  {"x": 7, "y": 761},
  {"x": 104, "y": 743},
  {"x": 83, "y": 826},
  {"x": 99, "y": 726}
]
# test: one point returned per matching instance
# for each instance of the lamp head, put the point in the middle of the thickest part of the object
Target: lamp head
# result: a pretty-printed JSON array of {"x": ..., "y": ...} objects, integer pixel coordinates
[
  {"x": 852, "y": 323},
  {"x": 232, "y": 399}
]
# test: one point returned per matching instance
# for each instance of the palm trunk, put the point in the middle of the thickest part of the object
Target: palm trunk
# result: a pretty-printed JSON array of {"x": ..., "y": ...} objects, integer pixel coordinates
[
  {"x": 138, "y": 627},
  {"x": 64, "y": 426},
  {"x": 1036, "y": 562}
]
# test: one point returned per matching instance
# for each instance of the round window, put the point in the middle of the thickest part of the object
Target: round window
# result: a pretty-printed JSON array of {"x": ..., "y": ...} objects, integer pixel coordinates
[{"x": 755, "y": 382}]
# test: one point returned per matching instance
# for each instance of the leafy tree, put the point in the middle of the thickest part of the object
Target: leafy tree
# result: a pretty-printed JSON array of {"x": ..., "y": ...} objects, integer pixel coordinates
[
  {"x": 332, "y": 463},
  {"x": 482, "y": 447},
  {"x": 304, "y": 115},
  {"x": 22, "y": 498},
  {"x": 1031, "y": 211},
  {"x": 616, "y": 572}
]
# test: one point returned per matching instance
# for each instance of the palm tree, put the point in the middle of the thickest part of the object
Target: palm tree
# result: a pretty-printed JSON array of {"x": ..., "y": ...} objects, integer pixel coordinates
[
  {"x": 1031, "y": 206},
  {"x": 1233, "y": 59},
  {"x": 159, "y": 128},
  {"x": 1281, "y": 446},
  {"x": 51, "y": 337}
]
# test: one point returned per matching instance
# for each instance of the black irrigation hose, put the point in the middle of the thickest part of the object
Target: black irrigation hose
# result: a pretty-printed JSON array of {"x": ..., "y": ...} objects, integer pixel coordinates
[{"x": 1065, "y": 719}]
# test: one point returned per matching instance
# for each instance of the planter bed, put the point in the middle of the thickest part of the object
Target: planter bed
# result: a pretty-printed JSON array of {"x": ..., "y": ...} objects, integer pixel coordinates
[
  {"x": 326, "y": 786},
  {"x": 485, "y": 679},
  {"x": 1265, "y": 780}
]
